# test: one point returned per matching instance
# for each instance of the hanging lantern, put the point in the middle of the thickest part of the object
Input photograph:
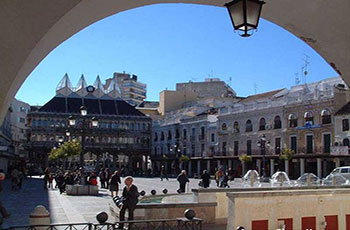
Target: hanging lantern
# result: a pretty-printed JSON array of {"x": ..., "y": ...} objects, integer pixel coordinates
[{"x": 245, "y": 14}]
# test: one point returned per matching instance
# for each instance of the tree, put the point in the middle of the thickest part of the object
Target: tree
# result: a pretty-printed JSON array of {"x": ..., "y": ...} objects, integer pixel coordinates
[
  {"x": 184, "y": 158},
  {"x": 244, "y": 158},
  {"x": 287, "y": 155},
  {"x": 66, "y": 150}
]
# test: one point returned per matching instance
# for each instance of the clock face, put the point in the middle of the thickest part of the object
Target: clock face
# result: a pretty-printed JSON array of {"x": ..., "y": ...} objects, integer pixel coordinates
[{"x": 90, "y": 89}]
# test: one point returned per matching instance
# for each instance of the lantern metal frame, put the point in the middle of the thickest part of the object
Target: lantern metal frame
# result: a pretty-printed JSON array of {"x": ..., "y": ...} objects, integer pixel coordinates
[{"x": 246, "y": 26}]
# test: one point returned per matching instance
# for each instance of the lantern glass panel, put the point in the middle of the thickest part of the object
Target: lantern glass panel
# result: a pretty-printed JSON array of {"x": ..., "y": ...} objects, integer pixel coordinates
[
  {"x": 72, "y": 122},
  {"x": 237, "y": 14},
  {"x": 253, "y": 13},
  {"x": 83, "y": 112},
  {"x": 94, "y": 123}
]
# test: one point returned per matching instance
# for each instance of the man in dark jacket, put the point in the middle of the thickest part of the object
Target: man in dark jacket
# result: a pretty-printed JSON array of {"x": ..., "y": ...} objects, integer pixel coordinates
[
  {"x": 129, "y": 198},
  {"x": 182, "y": 179},
  {"x": 205, "y": 179}
]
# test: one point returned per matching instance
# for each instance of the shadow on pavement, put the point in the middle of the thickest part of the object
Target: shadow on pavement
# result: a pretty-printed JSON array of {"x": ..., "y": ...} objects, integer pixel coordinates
[{"x": 20, "y": 203}]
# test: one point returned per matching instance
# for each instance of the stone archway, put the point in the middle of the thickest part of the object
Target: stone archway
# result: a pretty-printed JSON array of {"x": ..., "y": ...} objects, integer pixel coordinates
[{"x": 30, "y": 30}]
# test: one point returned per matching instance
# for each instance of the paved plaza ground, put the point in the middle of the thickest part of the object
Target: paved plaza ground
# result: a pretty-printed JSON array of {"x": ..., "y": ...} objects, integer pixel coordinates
[{"x": 72, "y": 209}]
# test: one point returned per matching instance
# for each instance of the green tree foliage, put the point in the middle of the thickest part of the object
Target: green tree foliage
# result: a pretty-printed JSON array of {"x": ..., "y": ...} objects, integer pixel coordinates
[
  {"x": 184, "y": 158},
  {"x": 287, "y": 154},
  {"x": 245, "y": 158},
  {"x": 67, "y": 149}
]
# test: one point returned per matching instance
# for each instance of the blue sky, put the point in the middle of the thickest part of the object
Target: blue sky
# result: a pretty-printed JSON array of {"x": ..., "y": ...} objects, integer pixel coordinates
[{"x": 168, "y": 43}]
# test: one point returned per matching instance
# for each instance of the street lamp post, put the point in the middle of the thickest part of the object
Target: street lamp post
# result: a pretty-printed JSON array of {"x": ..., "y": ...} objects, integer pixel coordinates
[
  {"x": 72, "y": 122},
  {"x": 262, "y": 144}
]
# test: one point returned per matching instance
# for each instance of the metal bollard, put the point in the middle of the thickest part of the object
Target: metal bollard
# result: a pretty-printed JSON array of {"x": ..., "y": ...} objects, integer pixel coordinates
[{"x": 39, "y": 216}]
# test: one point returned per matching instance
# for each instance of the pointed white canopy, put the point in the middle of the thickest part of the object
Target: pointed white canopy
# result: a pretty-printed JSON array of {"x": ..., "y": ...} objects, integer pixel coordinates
[
  {"x": 81, "y": 87},
  {"x": 99, "y": 90},
  {"x": 113, "y": 89},
  {"x": 64, "y": 87}
]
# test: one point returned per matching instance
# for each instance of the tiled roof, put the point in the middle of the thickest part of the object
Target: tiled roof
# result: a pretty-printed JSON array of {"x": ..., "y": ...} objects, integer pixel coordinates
[
  {"x": 344, "y": 110},
  {"x": 94, "y": 106},
  {"x": 261, "y": 96}
]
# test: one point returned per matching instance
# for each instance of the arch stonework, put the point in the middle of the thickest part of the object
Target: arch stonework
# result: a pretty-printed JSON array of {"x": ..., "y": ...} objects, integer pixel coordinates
[{"x": 32, "y": 29}]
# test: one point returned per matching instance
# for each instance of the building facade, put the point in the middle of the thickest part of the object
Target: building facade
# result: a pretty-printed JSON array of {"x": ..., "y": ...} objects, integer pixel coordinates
[
  {"x": 122, "y": 137},
  {"x": 18, "y": 120},
  {"x": 132, "y": 91},
  {"x": 301, "y": 118}
]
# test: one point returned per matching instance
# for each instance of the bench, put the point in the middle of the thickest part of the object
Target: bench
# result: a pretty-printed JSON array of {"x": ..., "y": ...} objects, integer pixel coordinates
[{"x": 82, "y": 190}]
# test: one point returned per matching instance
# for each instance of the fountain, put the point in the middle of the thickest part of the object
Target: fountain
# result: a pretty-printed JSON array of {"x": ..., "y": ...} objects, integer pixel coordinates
[
  {"x": 252, "y": 178},
  {"x": 307, "y": 179},
  {"x": 279, "y": 178},
  {"x": 335, "y": 179}
]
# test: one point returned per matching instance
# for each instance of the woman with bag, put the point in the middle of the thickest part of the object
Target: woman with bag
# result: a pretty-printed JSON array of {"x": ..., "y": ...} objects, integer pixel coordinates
[{"x": 114, "y": 183}]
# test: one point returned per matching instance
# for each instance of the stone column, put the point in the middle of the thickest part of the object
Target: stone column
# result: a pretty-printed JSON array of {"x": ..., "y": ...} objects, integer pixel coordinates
[
  {"x": 258, "y": 165},
  {"x": 272, "y": 166},
  {"x": 198, "y": 168},
  {"x": 337, "y": 162},
  {"x": 190, "y": 168},
  {"x": 319, "y": 167},
  {"x": 218, "y": 164},
  {"x": 286, "y": 166},
  {"x": 302, "y": 166},
  {"x": 208, "y": 166}
]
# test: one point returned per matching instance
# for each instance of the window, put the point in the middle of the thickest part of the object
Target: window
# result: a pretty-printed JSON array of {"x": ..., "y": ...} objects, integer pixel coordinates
[
  {"x": 236, "y": 127},
  {"x": 193, "y": 149},
  {"x": 293, "y": 143},
  {"x": 248, "y": 126},
  {"x": 235, "y": 148},
  {"x": 184, "y": 133},
  {"x": 213, "y": 137},
  {"x": 224, "y": 144},
  {"x": 344, "y": 170},
  {"x": 169, "y": 135},
  {"x": 202, "y": 149},
  {"x": 293, "y": 120},
  {"x": 326, "y": 143},
  {"x": 309, "y": 144},
  {"x": 326, "y": 116},
  {"x": 162, "y": 136},
  {"x": 262, "y": 124},
  {"x": 277, "y": 124},
  {"x": 177, "y": 133},
  {"x": 309, "y": 118},
  {"x": 249, "y": 147},
  {"x": 202, "y": 135},
  {"x": 346, "y": 142},
  {"x": 155, "y": 136},
  {"x": 277, "y": 145},
  {"x": 224, "y": 127},
  {"x": 21, "y": 120},
  {"x": 345, "y": 124}
]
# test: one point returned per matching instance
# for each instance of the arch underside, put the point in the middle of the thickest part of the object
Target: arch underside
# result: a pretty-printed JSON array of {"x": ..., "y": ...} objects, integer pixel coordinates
[{"x": 32, "y": 29}]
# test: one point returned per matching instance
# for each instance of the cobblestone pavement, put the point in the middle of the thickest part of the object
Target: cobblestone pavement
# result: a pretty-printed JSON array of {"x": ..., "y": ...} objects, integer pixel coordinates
[{"x": 72, "y": 209}]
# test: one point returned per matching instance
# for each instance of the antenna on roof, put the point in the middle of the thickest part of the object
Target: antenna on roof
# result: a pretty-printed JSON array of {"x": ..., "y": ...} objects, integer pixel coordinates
[
  {"x": 304, "y": 69},
  {"x": 297, "y": 79},
  {"x": 255, "y": 88}
]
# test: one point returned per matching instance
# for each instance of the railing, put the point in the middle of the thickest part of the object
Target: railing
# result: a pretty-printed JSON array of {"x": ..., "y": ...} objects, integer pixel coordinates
[{"x": 166, "y": 224}]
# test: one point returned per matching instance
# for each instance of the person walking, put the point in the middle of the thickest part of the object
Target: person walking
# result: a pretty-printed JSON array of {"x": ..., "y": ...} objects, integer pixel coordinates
[
  {"x": 182, "y": 179},
  {"x": 163, "y": 173},
  {"x": 218, "y": 177},
  {"x": 205, "y": 179},
  {"x": 129, "y": 199},
  {"x": 3, "y": 211},
  {"x": 107, "y": 177},
  {"x": 46, "y": 177},
  {"x": 102, "y": 176},
  {"x": 114, "y": 183}
]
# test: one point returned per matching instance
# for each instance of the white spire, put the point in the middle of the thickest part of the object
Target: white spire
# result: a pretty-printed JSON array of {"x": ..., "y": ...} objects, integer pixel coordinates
[
  {"x": 64, "y": 87},
  {"x": 99, "y": 90},
  {"x": 82, "y": 83},
  {"x": 81, "y": 87},
  {"x": 113, "y": 89}
]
